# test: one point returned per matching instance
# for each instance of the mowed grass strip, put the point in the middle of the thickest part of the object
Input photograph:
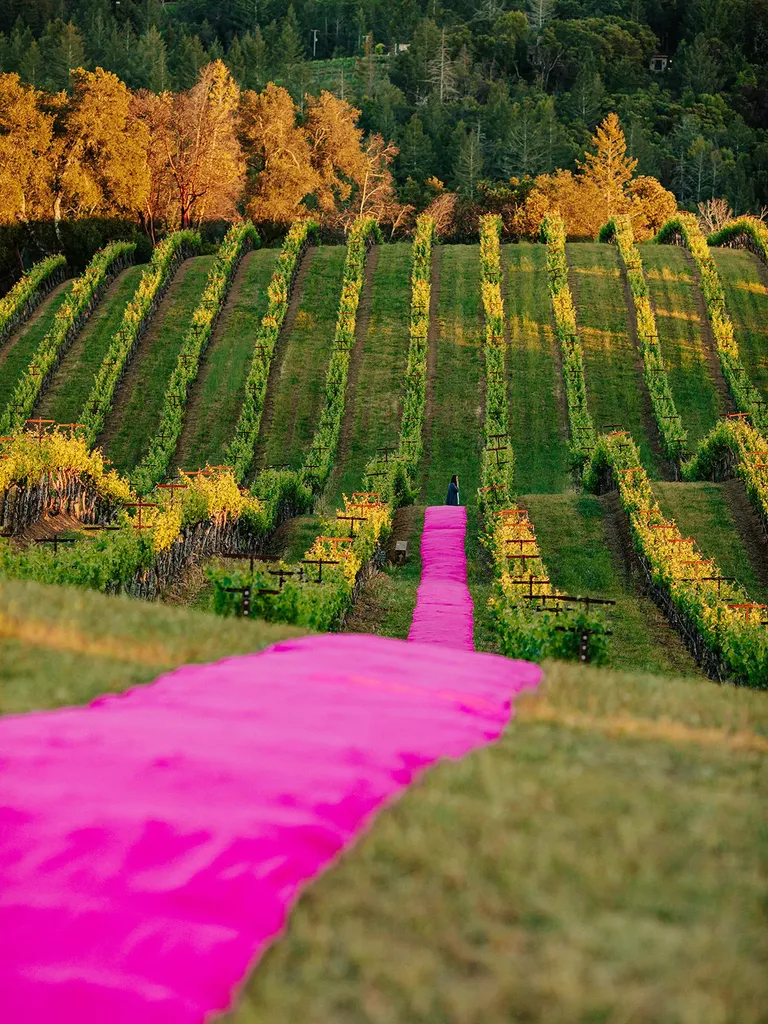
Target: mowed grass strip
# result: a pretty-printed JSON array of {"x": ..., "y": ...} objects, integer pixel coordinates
[
  {"x": 134, "y": 420},
  {"x": 612, "y": 365},
  {"x": 218, "y": 395},
  {"x": 568, "y": 873},
  {"x": 300, "y": 389},
  {"x": 63, "y": 645},
  {"x": 457, "y": 400},
  {"x": 64, "y": 399},
  {"x": 537, "y": 423},
  {"x": 374, "y": 407},
  {"x": 745, "y": 282},
  {"x": 672, "y": 289},
  {"x": 702, "y": 511},
  {"x": 580, "y": 540},
  {"x": 18, "y": 350}
]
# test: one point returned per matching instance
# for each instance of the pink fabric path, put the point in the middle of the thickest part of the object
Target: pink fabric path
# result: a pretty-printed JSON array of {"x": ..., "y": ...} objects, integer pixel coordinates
[
  {"x": 443, "y": 612},
  {"x": 152, "y": 844}
]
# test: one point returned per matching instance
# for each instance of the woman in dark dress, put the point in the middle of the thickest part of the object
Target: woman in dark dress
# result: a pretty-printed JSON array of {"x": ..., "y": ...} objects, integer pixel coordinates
[{"x": 453, "y": 492}]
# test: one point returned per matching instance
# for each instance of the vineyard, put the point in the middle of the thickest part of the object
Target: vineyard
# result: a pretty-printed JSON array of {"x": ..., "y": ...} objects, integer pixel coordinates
[{"x": 204, "y": 454}]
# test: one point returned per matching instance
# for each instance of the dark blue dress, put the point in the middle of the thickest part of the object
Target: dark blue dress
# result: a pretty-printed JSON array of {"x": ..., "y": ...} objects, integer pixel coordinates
[{"x": 453, "y": 494}]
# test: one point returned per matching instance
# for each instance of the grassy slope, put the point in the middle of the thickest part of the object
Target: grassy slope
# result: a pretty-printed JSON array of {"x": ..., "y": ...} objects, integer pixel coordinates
[
  {"x": 671, "y": 284},
  {"x": 746, "y": 299},
  {"x": 536, "y": 414},
  {"x": 64, "y": 400},
  {"x": 612, "y": 364},
  {"x": 300, "y": 389},
  {"x": 458, "y": 407},
  {"x": 139, "y": 418},
  {"x": 581, "y": 546},
  {"x": 220, "y": 387},
  {"x": 15, "y": 359},
  {"x": 60, "y": 645},
  {"x": 601, "y": 863},
  {"x": 375, "y": 407},
  {"x": 702, "y": 511}
]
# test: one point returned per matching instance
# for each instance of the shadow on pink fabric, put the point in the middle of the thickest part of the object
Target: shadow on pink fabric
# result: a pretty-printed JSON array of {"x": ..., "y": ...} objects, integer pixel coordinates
[
  {"x": 443, "y": 612},
  {"x": 152, "y": 843}
]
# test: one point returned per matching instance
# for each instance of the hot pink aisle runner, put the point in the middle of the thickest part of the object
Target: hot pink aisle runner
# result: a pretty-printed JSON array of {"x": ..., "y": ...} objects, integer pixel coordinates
[
  {"x": 443, "y": 613},
  {"x": 152, "y": 843}
]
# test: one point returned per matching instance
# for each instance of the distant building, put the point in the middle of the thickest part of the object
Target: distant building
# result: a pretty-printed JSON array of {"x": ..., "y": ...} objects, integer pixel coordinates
[
  {"x": 400, "y": 48},
  {"x": 660, "y": 62}
]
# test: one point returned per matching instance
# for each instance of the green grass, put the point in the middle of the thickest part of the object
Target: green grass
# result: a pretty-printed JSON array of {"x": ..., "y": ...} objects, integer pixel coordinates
[
  {"x": 612, "y": 366},
  {"x": 137, "y": 414},
  {"x": 580, "y": 546},
  {"x": 61, "y": 645},
  {"x": 538, "y": 428},
  {"x": 702, "y": 512},
  {"x": 671, "y": 285},
  {"x": 374, "y": 408},
  {"x": 746, "y": 299},
  {"x": 64, "y": 400},
  {"x": 15, "y": 360},
  {"x": 456, "y": 425},
  {"x": 218, "y": 395},
  {"x": 601, "y": 865},
  {"x": 300, "y": 389}
]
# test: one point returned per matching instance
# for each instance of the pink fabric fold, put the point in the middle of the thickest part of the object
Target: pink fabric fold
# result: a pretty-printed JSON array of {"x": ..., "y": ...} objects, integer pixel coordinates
[
  {"x": 444, "y": 611},
  {"x": 152, "y": 843}
]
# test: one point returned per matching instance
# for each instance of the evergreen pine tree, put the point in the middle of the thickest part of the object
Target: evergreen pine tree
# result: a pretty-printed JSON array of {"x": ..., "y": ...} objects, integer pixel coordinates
[
  {"x": 62, "y": 49},
  {"x": 153, "y": 61}
]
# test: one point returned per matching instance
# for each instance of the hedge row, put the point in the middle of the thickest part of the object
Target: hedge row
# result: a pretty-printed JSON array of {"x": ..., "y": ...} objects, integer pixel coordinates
[
  {"x": 322, "y": 451},
  {"x": 673, "y": 436},
  {"x": 747, "y": 233},
  {"x": 731, "y": 641},
  {"x": 167, "y": 257},
  {"x": 734, "y": 448},
  {"x": 685, "y": 227},
  {"x": 582, "y": 428},
  {"x": 241, "y": 448},
  {"x": 29, "y": 292},
  {"x": 154, "y": 465},
  {"x": 394, "y": 478},
  {"x": 83, "y": 295},
  {"x": 518, "y": 605}
]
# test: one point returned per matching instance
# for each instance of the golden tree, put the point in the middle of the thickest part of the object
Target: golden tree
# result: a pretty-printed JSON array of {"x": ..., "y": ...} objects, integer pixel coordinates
[
  {"x": 336, "y": 149},
  {"x": 97, "y": 159},
  {"x": 26, "y": 132},
  {"x": 608, "y": 167},
  {"x": 281, "y": 174},
  {"x": 198, "y": 165}
]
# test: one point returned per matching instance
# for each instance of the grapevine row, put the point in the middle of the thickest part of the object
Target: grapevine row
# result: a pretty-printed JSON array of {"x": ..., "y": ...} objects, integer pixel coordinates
[
  {"x": 322, "y": 452},
  {"x": 241, "y": 448},
  {"x": 579, "y": 419},
  {"x": 70, "y": 317},
  {"x": 673, "y": 436},
  {"x": 745, "y": 394},
  {"x": 154, "y": 465},
  {"x": 29, "y": 292},
  {"x": 746, "y": 232},
  {"x": 166, "y": 259},
  {"x": 734, "y": 448},
  {"x": 715, "y": 616},
  {"x": 398, "y": 473}
]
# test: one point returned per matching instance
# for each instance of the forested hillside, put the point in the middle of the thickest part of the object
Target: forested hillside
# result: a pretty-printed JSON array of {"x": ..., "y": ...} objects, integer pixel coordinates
[{"x": 467, "y": 92}]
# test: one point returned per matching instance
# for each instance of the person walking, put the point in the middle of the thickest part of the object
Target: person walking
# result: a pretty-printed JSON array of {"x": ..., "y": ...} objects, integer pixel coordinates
[{"x": 453, "y": 491}]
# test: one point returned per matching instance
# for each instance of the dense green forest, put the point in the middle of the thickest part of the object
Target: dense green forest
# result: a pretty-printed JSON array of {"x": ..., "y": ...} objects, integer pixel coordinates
[{"x": 466, "y": 91}]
